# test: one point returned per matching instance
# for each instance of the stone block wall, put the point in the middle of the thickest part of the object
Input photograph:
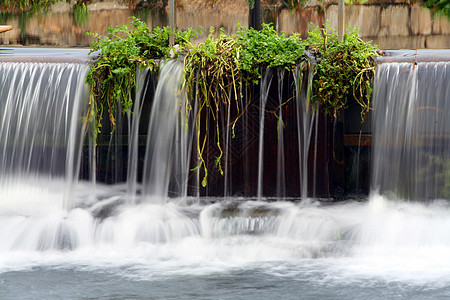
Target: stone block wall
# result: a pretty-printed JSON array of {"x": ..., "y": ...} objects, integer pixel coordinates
[{"x": 390, "y": 25}]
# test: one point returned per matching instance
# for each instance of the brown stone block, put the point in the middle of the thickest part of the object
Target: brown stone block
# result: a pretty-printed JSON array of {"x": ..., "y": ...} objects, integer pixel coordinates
[
  {"x": 395, "y": 21},
  {"x": 59, "y": 29},
  {"x": 438, "y": 42},
  {"x": 420, "y": 20},
  {"x": 206, "y": 19},
  {"x": 238, "y": 7},
  {"x": 298, "y": 21},
  {"x": 366, "y": 17},
  {"x": 398, "y": 42},
  {"x": 61, "y": 7},
  {"x": 12, "y": 36},
  {"x": 101, "y": 20},
  {"x": 107, "y": 5},
  {"x": 441, "y": 25}
]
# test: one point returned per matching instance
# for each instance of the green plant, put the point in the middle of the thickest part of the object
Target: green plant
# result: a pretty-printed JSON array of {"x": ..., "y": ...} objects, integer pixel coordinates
[
  {"x": 220, "y": 65},
  {"x": 266, "y": 48},
  {"x": 218, "y": 70},
  {"x": 80, "y": 13},
  {"x": 210, "y": 68},
  {"x": 444, "y": 178},
  {"x": 345, "y": 69},
  {"x": 438, "y": 6},
  {"x": 112, "y": 76},
  {"x": 18, "y": 6},
  {"x": 251, "y": 3}
]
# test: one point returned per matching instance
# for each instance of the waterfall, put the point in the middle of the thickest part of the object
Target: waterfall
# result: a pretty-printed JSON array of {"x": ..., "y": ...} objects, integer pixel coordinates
[
  {"x": 305, "y": 119},
  {"x": 251, "y": 150},
  {"x": 227, "y": 166},
  {"x": 86, "y": 240},
  {"x": 411, "y": 130},
  {"x": 133, "y": 139},
  {"x": 42, "y": 137},
  {"x": 42, "y": 110},
  {"x": 167, "y": 154},
  {"x": 281, "y": 180},
  {"x": 266, "y": 81}
]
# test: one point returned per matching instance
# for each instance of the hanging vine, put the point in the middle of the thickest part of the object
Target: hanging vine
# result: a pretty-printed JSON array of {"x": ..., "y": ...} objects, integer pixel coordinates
[{"x": 217, "y": 70}]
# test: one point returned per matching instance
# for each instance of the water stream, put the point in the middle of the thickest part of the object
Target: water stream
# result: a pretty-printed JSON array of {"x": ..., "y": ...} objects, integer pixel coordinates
[
  {"x": 266, "y": 81},
  {"x": 41, "y": 112},
  {"x": 167, "y": 152},
  {"x": 305, "y": 119},
  {"x": 61, "y": 238},
  {"x": 411, "y": 132}
]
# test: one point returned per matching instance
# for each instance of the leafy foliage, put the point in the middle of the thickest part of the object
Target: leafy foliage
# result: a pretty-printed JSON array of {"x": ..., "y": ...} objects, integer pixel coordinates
[
  {"x": 220, "y": 65},
  {"x": 33, "y": 6},
  {"x": 266, "y": 48},
  {"x": 210, "y": 68},
  {"x": 217, "y": 70},
  {"x": 439, "y": 6},
  {"x": 345, "y": 69},
  {"x": 80, "y": 13},
  {"x": 123, "y": 49},
  {"x": 19, "y": 6}
]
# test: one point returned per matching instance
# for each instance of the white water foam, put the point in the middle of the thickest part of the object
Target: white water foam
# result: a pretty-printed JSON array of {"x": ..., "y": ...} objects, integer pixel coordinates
[{"x": 383, "y": 239}]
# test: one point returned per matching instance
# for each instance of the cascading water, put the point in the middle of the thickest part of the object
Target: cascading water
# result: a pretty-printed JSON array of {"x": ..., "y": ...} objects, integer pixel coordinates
[
  {"x": 181, "y": 247},
  {"x": 411, "y": 130},
  {"x": 265, "y": 84},
  {"x": 305, "y": 119},
  {"x": 41, "y": 111},
  {"x": 133, "y": 139},
  {"x": 281, "y": 180},
  {"x": 167, "y": 157}
]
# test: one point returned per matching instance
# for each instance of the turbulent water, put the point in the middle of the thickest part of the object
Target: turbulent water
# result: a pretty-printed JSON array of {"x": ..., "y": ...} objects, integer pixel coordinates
[
  {"x": 234, "y": 249},
  {"x": 63, "y": 239}
]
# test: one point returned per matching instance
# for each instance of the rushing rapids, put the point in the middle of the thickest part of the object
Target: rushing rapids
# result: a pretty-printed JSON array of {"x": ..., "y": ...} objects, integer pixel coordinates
[{"x": 61, "y": 237}]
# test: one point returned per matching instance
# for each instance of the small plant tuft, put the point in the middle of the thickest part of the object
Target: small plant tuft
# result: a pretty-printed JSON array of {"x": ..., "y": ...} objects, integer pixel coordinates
[
  {"x": 345, "y": 69},
  {"x": 440, "y": 7}
]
